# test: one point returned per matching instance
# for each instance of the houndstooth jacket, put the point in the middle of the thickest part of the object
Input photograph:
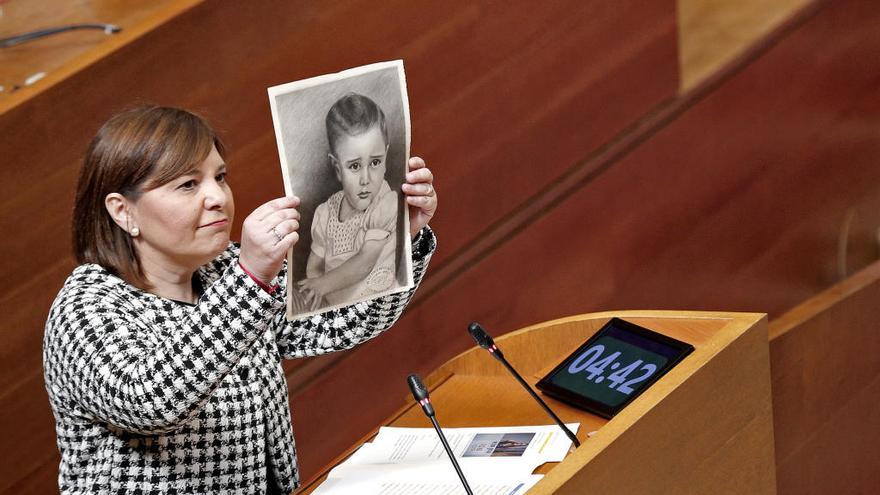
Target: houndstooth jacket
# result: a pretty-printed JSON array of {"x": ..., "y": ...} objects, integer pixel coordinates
[{"x": 153, "y": 396}]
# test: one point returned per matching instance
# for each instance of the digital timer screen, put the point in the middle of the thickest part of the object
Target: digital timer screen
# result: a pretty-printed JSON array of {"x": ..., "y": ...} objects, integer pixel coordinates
[{"x": 613, "y": 367}]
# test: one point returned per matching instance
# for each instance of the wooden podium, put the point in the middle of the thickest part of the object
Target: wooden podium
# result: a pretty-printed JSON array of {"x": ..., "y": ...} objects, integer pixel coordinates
[{"x": 705, "y": 427}]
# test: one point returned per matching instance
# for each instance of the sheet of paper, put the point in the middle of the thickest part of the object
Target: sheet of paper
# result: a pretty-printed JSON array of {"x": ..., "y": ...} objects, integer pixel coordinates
[
  {"x": 371, "y": 462},
  {"x": 370, "y": 486},
  {"x": 498, "y": 460},
  {"x": 315, "y": 120},
  {"x": 546, "y": 443},
  {"x": 512, "y": 448}
]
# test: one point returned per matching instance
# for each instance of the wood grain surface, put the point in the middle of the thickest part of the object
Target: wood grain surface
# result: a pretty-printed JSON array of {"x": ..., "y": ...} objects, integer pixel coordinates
[
  {"x": 58, "y": 56},
  {"x": 826, "y": 377}
]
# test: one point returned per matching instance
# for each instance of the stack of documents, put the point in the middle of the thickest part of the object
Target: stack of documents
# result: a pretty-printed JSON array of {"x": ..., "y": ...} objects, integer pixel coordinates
[{"x": 412, "y": 461}]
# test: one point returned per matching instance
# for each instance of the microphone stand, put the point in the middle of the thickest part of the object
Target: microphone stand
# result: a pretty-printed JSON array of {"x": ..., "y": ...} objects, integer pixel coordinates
[
  {"x": 420, "y": 393},
  {"x": 460, "y": 474},
  {"x": 485, "y": 341}
]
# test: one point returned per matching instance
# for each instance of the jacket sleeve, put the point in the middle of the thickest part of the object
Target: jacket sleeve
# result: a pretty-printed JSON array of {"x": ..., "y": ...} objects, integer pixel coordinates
[
  {"x": 104, "y": 358},
  {"x": 348, "y": 326}
]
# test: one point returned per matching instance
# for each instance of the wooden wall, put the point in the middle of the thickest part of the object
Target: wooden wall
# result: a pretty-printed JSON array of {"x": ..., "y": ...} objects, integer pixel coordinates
[
  {"x": 826, "y": 379},
  {"x": 572, "y": 176},
  {"x": 731, "y": 197}
]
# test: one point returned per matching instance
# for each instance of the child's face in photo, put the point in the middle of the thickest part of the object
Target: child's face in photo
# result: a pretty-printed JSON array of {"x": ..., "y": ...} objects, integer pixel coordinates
[{"x": 359, "y": 162}]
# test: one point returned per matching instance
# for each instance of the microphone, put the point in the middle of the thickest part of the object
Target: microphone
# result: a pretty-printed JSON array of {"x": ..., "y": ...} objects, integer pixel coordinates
[
  {"x": 22, "y": 38},
  {"x": 485, "y": 341},
  {"x": 420, "y": 393}
]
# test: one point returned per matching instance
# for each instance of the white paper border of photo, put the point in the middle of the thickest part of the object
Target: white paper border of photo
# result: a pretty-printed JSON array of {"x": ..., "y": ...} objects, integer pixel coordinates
[{"x": 294, "y": 86}]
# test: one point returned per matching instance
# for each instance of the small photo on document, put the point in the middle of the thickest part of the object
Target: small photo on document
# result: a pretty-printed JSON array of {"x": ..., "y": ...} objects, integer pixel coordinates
[
  {"x": 343, "y": 142},
  {"x": 498, "y": 445}
]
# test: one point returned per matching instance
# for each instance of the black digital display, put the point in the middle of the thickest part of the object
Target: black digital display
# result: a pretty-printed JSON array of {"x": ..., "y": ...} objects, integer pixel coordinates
[{"x": 613, "y": 367}]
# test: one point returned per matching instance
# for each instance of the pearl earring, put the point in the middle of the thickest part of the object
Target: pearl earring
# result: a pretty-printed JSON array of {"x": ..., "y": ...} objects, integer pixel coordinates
[{"x": 135, "y": 231}]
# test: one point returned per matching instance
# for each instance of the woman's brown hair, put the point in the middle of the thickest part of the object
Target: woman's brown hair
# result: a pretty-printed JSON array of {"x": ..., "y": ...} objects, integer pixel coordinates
[{"x": 135, "y": 151}]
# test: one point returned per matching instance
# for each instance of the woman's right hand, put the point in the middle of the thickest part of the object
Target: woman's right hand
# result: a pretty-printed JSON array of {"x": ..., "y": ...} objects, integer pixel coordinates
[{"x": 266, "y": 236}]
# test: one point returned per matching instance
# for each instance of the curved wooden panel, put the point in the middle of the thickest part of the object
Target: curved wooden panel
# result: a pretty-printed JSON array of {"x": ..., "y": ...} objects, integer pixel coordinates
[
  {"x": 718, "y": 398},
  {"x": 826, "y": 379}
]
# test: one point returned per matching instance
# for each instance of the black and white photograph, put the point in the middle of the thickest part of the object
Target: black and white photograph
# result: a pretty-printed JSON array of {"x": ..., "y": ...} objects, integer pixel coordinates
[{"x": 343, "y": 142}]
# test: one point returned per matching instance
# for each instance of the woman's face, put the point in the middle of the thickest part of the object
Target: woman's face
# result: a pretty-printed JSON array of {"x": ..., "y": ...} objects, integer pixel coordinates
[{"x": 187, "y": 221}]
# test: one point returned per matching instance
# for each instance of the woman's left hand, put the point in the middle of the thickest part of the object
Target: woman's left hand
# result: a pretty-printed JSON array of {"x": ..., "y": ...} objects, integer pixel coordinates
[{"x": 420, "y": 195}]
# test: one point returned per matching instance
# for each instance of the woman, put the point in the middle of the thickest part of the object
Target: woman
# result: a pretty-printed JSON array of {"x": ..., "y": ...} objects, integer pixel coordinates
[{"x": 162, "y": 350}]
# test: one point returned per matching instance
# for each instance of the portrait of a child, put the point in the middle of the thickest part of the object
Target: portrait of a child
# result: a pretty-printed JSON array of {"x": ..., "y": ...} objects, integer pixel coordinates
[
  {"x": 354, "y": 232},
  {"x": 344, "y": 140}
]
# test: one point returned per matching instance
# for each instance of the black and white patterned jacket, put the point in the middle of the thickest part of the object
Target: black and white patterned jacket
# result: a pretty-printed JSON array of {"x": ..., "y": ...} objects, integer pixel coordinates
[{"x": 153, "y": 396}]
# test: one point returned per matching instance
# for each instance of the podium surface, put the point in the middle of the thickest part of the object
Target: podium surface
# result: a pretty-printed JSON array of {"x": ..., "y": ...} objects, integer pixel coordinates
[{"x": 704, "y": 427}]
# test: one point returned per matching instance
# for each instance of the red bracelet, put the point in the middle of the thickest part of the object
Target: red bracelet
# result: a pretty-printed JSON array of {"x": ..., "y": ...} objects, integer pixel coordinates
[{"x": 270, "y": 289}]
